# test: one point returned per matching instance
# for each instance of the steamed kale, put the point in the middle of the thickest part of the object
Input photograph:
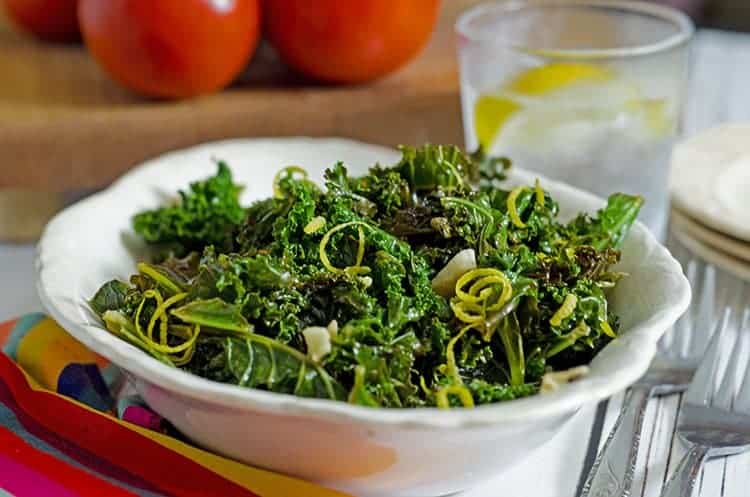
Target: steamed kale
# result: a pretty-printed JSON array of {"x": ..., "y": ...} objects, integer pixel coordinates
[
  {"x": 208, "y": 214},
  {"x": 340, "y": 291}
]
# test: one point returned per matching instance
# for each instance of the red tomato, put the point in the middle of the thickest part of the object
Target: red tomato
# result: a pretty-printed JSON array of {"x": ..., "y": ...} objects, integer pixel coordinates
[
  {"x": 171, "y": 48},
  {"x": 348, "y": 41},
  {"x": 51, "y": 20}
]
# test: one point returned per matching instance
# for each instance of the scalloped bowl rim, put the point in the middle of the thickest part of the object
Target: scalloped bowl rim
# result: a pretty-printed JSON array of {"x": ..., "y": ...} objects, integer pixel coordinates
[{"x": 639, "y": 343}]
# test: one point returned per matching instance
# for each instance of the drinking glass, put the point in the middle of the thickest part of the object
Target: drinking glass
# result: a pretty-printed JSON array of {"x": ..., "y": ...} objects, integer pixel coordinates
[{"x": 585, "y": 91}]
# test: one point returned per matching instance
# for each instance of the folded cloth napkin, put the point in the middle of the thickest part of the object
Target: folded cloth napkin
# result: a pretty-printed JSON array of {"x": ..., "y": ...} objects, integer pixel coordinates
[{"x": 70, "y": 426}]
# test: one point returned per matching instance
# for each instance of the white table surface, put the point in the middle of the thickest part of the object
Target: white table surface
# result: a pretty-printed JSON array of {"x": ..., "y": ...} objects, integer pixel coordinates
[{"x": 720, "y": 92}]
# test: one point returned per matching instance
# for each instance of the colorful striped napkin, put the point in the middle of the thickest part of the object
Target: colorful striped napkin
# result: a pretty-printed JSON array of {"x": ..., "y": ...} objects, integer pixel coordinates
[{"x": 70, "y": 426}]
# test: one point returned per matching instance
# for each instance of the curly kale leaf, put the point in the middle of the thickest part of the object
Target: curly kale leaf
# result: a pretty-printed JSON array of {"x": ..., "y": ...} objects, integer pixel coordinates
[
  {"x": 363, "y": 197},
  {"x": 257, "y": 230},
  {"x": 231, "y": 276},
  {"x": 385, "y": 365},
  {"x": 280, "y": 314},
  {"x": 434, "y": 167},
  {"x": 208, "y": 214},
  {"x": 297, "y": 206},
  {"x": 491, "y": 169},
  {"x": 485, "y": 392}
]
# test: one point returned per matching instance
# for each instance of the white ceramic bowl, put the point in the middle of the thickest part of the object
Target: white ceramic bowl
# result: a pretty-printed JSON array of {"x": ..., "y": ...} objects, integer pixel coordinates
[{"x": 365, "y": 451}]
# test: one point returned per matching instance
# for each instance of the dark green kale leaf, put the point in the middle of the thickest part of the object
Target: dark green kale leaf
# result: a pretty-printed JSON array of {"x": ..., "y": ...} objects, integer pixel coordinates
[
  {"x": 434, "y": 167},
  {"x": 280, "y": 314},
  {"x": 110, "y": 297},
  {"x": 338, "y": 297},
  {"x": 485, "y": 393},
  {"x": 298, "y": 203},
  {"x": 491, "y": 169},
  {"x": 478, "y": 224},
  {"x": 412, "y": 223},
  {"x": 379, "y": 368},
  {"x": 364, "y": 198},
  {"x": 259, "y": 362},
  {"x": 594, "y": 263},
  {"x": 208, "y": 214},
  {"x": 257, "y": 230},
  {"x": 230, "y": 276},
  {"x": 213, "y": 313},
  {"x": 611, "y": 225}
]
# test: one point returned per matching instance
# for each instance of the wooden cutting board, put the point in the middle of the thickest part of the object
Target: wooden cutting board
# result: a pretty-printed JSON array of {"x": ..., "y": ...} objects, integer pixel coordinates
[{"x": 65, "y": 126}]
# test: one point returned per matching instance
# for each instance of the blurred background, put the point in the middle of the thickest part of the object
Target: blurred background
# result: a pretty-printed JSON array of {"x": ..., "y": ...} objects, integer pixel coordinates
[{"x": 721, "y": 14}]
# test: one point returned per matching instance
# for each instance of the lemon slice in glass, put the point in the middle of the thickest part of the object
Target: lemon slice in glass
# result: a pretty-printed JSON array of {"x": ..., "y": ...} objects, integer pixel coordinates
[{"x": 531, "y": 105}]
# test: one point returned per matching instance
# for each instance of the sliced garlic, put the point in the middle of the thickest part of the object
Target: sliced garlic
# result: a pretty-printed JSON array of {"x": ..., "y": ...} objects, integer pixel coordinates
[
  {"x": 554, "y": 380},
  {"x": 444, "y": 282},
  {"x": 333, "y": 328},
  {"x": 318, "y": 341}
]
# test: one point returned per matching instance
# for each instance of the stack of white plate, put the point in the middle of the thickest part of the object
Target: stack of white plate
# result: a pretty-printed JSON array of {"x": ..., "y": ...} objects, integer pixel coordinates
[{"x": 710, "y": 190}]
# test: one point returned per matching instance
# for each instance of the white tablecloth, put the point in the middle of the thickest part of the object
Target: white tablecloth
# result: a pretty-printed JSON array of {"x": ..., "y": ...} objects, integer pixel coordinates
[{"x": 720, "y": 92}]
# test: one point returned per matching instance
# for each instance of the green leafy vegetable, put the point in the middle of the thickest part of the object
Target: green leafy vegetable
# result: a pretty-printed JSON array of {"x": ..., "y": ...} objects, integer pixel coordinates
[
  {"x": 111, "y": 296},
  {"x": 214, "y": 313},
  {"x": 438, "y": 166},
  {"x": 207, "y": 214},
  {"x": 240, "y": 291},
  {"x": 260, "y": 362},
  {"x": 611, "y": 225}
]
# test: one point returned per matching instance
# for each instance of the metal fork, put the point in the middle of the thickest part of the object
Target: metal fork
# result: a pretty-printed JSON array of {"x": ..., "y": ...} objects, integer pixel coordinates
[
  {"x": 715, "y": 416},
  {"x": 677, "y": 358}
]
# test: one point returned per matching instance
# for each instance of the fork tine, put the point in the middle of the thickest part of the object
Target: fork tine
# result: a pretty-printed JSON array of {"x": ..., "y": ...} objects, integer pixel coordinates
[
  {"x": 732, "y": 294},
  {"x": 727, "y": 390},
  {"x": 742, "y": 402},
  {"x": 705, "y": 311},
  {"x": 700, "y": 391},
  {"x": 677, "y": 339}
]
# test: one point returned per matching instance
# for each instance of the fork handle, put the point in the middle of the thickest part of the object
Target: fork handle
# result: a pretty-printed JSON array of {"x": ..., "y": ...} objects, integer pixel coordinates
[
  {"x": 612, "y": 472},
  {"x": 683, "y": 480}
]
